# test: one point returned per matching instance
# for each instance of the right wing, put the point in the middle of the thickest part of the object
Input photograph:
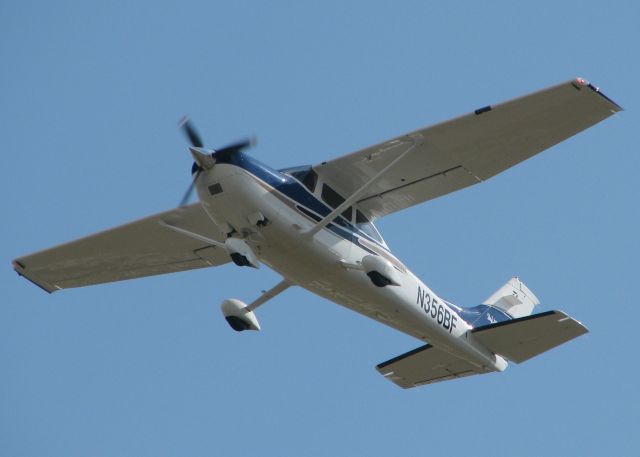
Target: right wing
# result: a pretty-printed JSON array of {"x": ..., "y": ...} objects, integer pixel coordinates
[
  {"x": 467, "y": 150},
  {"x": 134, "y": 250},
  {"x": 426, "y": 365}
]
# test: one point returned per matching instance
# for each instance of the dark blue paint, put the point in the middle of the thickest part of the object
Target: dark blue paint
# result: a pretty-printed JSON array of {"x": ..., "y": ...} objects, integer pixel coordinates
[
  {"x": 477, "y": 316},
  {"x": 295, "y": 191}
]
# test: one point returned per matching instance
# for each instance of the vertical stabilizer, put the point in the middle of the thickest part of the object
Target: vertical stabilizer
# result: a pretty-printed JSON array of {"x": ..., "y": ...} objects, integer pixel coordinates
[{"x": 515, "y": 298}]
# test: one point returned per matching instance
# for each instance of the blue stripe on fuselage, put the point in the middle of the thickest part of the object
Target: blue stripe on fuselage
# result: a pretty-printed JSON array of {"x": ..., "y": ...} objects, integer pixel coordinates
[{"x": 290, "y": 187}]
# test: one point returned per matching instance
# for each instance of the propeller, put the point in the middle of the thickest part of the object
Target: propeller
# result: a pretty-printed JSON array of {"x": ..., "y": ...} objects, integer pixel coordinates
[
  {"x": 187, "y": 194},
  {"x": 237, "y": 146},
  {"x": 196, "y": 150},
  {"x": 196, "y": 141},
  {"x": 190, "y": 131}
]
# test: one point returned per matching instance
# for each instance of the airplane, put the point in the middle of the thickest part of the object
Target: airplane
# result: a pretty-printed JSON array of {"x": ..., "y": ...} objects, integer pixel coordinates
[{"x": 314, "y": 225}]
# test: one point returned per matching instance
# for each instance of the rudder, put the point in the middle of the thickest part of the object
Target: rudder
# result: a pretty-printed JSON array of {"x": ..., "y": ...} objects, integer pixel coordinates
[{"x": 514, "y": 298}]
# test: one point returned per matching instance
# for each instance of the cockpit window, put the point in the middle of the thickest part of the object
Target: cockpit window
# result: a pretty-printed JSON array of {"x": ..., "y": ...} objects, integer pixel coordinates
[
  {"x": 331, "y": 197},
  {"x": 347, "y": 213},
  {"x": 306, "y": 175},
  {"x": 334, "y": 199},
  {"x": 367, "y": 227},
  {"x": 309, "y": 178}
]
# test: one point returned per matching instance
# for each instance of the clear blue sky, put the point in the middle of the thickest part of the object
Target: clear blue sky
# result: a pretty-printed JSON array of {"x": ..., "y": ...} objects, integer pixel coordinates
[{"x": 90, "y": 96}]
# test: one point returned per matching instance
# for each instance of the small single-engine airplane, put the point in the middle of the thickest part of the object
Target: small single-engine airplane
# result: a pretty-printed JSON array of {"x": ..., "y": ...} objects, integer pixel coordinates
[{"x": 314, "y": 226}]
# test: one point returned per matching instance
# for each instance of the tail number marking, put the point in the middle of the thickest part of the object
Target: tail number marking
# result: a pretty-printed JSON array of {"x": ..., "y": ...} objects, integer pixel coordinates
[{"x": 436, "y": 311}]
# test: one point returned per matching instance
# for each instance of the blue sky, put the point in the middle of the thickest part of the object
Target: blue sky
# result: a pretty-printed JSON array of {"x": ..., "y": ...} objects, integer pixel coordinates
[{"x": 91, "y": 93}]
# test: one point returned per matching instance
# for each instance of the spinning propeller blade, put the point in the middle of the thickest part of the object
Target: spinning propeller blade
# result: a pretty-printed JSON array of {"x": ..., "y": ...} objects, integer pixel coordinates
[
  {"x": 205, "y": 161},
  {"x": 238, "y": 145},
  {"x": 190, "y": 132},
  {"x": 192, "y": 186}
]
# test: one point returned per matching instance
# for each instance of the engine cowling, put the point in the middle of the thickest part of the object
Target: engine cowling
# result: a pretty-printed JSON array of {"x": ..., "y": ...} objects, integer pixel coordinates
[
  {"x": 238, "y": 316},
  {"x": 381, "y": 272}
]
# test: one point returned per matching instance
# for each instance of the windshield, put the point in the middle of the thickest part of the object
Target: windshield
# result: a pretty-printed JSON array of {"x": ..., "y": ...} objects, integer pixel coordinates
[
  {"x": 309, "y": 178},
  {"x": 305, "y": 174},
  {"x": 367, "y": 227}
]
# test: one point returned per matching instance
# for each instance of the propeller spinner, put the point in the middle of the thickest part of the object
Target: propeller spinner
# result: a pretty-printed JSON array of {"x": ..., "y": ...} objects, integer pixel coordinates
[{"x": 205, "y": 158}]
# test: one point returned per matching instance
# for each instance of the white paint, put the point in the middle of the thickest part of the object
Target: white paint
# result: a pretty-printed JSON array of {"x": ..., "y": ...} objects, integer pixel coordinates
[{"x": 317, "y": 264}]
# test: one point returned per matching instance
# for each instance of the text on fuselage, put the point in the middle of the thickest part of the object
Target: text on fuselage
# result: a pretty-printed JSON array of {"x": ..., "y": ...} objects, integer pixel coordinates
[{"x": 434, "y": 309}]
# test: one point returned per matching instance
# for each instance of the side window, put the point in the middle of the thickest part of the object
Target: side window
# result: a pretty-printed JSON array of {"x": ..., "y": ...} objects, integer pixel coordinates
[
  {"x": 331, "y": 197},
  {"x": 367, "y": 227},
  {"x": 347, "y": 213},
  {"x": 308, "y": 177},
  {"x": 310, "y": 180},
  {"x": 334, "y": 199},
  {"x": 360, "y": 218}
]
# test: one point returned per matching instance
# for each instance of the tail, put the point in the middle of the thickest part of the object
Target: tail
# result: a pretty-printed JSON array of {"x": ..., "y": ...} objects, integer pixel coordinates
[
  {"x": 503, "y": 324},
  {"x": 513, "y": 298},
  {"x": 525, "y": 335}
]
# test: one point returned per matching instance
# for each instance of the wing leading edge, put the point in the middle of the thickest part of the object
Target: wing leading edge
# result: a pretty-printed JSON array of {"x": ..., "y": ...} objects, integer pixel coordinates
[
  {"x": 469, "y": 149},
  {"x": 134, "y": 250}
]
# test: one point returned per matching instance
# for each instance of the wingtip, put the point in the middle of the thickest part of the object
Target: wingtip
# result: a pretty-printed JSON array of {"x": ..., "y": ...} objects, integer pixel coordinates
[
  {"x": 582, "y": 82},
  {"x": 21, "y": 270},
  {"x": 183, "y": 120}
]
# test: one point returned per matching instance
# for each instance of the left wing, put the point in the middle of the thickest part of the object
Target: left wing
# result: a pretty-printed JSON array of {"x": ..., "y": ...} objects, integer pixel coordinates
[
  {"x": 426, "y": 365},
  {"x": 140, "y": 248},
  {"x": 467, "y": 150}
]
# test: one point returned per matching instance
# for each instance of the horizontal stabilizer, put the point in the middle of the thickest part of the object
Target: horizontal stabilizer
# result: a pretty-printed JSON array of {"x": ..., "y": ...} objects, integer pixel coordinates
[
  {"x": 521, "y": 339},
  {"x": 425, "y": 365}
]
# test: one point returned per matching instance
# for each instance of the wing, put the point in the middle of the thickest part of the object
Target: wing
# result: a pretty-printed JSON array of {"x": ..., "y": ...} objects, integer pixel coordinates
[
  {"x": 425, "y": 365},
  {"x": 140, "y": 248},
  {"x": 467, "y": 150}
]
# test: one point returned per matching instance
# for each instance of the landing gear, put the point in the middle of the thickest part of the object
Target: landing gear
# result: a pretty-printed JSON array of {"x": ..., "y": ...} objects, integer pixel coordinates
[
  {"x": 380, "y": 271},
  {"x": 240, "y": 316},
  {"x": 379, "y": 280},
  {"x": 241, "y": 253},
  {"x": 240, "y": 260}
]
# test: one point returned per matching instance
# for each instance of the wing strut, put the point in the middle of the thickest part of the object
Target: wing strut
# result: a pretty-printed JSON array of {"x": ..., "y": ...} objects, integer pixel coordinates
[
  {"x": 415, "y": 137},
  {"x": 239, "y": 251},
  {"x": 269, "y": 294},
  {"x": 240, "y": 315},
  {"x": 195, "y": 236}
]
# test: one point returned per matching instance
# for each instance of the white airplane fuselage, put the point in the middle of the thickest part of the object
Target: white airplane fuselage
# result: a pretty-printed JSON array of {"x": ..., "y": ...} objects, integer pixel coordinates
[{"x": 237, "y": 193}]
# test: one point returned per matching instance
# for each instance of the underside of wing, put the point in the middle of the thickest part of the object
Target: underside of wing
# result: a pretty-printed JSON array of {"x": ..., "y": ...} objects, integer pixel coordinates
[
  {"x": 140, "y": 248},
  {"x": 467, "y": 150},
  {"x": 425, "y": 365}
]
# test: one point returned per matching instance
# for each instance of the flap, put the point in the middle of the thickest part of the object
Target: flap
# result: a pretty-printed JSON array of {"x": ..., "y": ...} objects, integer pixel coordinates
[{"x": 140, "y": 248}]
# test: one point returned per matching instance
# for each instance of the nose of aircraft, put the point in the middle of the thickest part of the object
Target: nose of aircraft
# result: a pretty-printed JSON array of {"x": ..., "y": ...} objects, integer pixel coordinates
[{"x": 203, "y": 157}]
